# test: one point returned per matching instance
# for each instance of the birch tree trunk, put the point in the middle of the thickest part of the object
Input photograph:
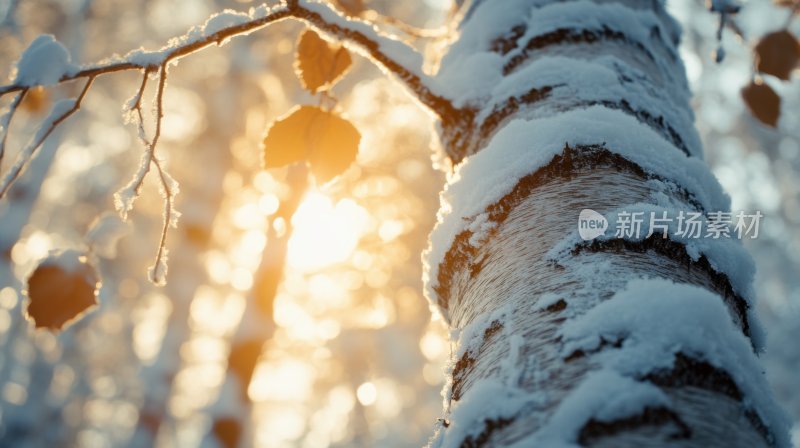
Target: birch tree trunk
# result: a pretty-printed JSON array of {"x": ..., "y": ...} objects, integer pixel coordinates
[{"x": 618, "y": 341}]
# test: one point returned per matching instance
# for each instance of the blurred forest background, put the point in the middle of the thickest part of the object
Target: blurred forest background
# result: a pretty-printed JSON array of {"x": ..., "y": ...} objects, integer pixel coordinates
[{"x": 356, "y": 357}]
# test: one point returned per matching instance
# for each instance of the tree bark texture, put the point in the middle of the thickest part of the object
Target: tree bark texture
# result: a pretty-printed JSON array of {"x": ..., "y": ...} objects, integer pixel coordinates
[{"x": 513, "y": 283}]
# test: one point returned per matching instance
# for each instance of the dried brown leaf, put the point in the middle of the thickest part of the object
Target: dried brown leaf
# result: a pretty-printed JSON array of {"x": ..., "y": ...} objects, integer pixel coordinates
[
  {"x": 763, "y": 102},
  {"x": 777, "y": 54},
  {"x": 319, "y": 63},
  {"x": 60, "y": 291}
]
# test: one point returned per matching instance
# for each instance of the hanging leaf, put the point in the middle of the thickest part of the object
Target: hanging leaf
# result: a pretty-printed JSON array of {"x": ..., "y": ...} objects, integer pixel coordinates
[
  {"x": 61, "y": 288},
  {"x": 336, "y": 150},
  {"x": 326, "y": 141},
  {"x": 319, "y": 64},
  {"x": 778, "y": 54},
  {"x": 763, "y": 102}
]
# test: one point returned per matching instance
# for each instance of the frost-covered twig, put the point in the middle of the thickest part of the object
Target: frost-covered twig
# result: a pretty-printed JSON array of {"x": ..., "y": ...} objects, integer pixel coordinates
[
  {"x": 133, "y": 109},
  {"x": 60, "y": 112},
  {"x": 124, "y": 198},
  {"x": 5, "y": 121},
  {"x": 169, "y": 188},
  {"x": 389, "y": 53}
]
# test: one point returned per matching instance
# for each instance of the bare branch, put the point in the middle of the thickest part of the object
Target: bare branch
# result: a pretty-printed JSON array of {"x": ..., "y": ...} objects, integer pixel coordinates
[
  {"x": 389, "y": 53},
  {"x": 57, "y": 116},
  {"x": 5, "y": 122},
  {"x": 392, "y": 55}
]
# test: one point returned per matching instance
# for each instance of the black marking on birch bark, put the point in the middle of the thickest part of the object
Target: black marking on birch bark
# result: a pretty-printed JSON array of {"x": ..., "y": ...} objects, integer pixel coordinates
[
  {"x": 467, "y": 361},
  {"x": 460, "y": 372},
  {"x": 677, "y": 251},
  {"x": 754, "y": 419},
  {"x": 583, "y": 157},
  {"x": 489, "y": 426},
  {"x": 458, "y": 133},
  {"x": 657, "y": 123},
  {"x": 512, "y": 105},
  {"x": 650, "y": 416},
  {"x": 476, "y": 266},
  {"x": 492, "y": 330},
  {"x": 561, "y": 305},
  {"x": 577, "y": 354},
  {"x": 504, "y": 44},
  {"x": 563, "y": 36},
  {"x": 688, "y": 371},
  {"x": 569, "y": 163}
]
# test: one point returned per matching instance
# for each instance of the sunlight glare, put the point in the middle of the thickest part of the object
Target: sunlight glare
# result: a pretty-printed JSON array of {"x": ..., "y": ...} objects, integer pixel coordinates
[
  {"x": 150, "y": 326},
  {"x": 325, "y": 233},
  {"x": 286, "y": 380},
  {"x": 268, "y": 204},
  {"x": 35, "y": 247},
  {"x": 367, "y": 394}
]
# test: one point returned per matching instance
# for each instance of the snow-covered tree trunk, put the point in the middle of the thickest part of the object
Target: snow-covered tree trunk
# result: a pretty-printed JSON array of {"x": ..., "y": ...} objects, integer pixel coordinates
[{"x": 616, "y": 341}]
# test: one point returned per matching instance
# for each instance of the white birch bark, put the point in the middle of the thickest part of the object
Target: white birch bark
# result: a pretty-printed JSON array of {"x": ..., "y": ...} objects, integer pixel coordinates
[{"x": 560, "y": 107}]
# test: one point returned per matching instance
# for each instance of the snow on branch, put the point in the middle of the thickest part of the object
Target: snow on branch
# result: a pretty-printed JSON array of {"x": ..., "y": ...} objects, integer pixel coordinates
[{"x": 391, "y": 54}]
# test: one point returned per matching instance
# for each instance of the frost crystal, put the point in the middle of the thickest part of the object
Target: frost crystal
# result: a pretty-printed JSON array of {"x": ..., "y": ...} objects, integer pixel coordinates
[
  {"x": 157, "y": 273},
  {"x": 123, "y": 199}
]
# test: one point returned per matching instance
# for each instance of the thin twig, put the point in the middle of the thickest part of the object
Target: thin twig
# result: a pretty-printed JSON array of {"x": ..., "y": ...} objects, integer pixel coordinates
[
  {"x": 134, "y": 187},
  {"x": 168, "y": 194},
  {"x": 5, "y": 121},
  {"x": 27, "y": 154},
  {"x": 137, "y": 108}
]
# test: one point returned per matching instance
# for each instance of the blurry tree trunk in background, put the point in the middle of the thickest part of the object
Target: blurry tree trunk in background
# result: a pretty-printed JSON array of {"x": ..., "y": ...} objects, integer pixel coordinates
[
  {"x": 516, "y": 299},
  {"x": 232, "y": 413},
  {"x": 34, "y": 416}
]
